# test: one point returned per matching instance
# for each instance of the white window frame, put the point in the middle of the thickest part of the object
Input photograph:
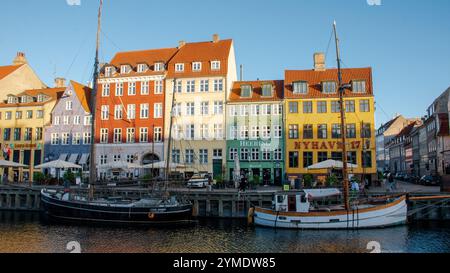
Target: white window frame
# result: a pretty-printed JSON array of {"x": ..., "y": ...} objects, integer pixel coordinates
[
  {"x": 215, "y": 65},
  {"x": 179, "y": 67},
  {"x": 157, "y": 110},
  {"x": 196, "y": 66},
  {"x": 145, "y": 88},
  {"x": 144, "y": 111}
]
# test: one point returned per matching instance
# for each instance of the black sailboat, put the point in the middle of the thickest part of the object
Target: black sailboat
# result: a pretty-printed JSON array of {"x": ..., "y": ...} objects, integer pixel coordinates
[{"x": 78, "y": 207}]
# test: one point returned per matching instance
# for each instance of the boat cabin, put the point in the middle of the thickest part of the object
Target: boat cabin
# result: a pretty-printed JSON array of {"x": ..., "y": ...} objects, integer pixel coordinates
[{"x": 300, "y": 201}]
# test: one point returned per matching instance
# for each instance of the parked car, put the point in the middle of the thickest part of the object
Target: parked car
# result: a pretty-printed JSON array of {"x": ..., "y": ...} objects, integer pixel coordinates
[
  {"x": 430, "y": 180},
  {"x": 198, "y": 182}
]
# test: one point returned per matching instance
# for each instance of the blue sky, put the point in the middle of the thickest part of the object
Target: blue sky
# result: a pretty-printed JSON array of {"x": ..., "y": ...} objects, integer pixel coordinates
[{"x": 407, "y": 43}]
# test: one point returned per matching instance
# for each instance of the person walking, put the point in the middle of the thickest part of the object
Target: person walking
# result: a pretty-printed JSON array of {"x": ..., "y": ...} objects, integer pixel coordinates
[{"x": 391, "y": 182}]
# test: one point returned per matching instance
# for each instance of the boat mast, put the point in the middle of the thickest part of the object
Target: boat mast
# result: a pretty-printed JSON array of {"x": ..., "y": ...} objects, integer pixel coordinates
[
  {"x": 170, "y": 135},
  {"x": 92, "y": 168},
  {"x": 343, "y": 127}
]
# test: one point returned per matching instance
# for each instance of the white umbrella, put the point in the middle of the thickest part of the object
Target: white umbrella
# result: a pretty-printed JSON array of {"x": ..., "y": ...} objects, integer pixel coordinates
[
  {"x": 120, "y": 165},
  {"x": 331, "y": 164},
  {"x": 58, "y": 164},
  {"x": 10, "y": 164},
  {"x": 163, "y": 165}
]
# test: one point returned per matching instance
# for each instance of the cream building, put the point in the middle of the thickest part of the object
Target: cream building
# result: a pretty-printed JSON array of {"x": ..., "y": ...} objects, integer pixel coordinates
[{"x": 201, "y": 74}]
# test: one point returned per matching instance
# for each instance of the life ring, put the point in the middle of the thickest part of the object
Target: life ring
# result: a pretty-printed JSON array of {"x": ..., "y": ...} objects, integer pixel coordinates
[{"x": 151, "y": 215}]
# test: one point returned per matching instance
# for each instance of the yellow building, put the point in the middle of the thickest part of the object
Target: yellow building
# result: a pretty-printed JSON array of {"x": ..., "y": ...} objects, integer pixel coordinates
[
  {"x": 23, "y": 118},
  {"x": 312, "y": 120}
]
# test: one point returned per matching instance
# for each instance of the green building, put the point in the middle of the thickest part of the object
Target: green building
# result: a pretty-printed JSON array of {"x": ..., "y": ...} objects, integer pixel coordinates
[{"x": 255, "y": 131}]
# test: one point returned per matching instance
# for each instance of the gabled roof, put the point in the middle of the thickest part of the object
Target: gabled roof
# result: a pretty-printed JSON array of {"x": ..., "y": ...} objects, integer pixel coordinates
[
  {"x": 7, "y": 70},
  {"x": 204, "y": 52},
  {"x": 83, "y": 94},
  {"x": 407, "y": 130},
  {"x": 53, "y": 93},
  {"x": 315, "y": 79},
  {"x": 278, "y": 88}
]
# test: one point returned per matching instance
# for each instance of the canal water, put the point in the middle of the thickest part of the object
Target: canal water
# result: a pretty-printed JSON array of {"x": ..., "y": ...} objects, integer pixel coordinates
[{"x": 24, "y": 232}]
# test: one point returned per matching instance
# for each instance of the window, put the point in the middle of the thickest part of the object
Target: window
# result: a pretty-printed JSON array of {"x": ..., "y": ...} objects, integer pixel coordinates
[
  {"x": 243, "y": 133},
  {"x": 265, "y": 154},
  {"x": 105, "y": 90},
  {"x": 351, "y": 131},
  {"x": 336, "y": 156},
  {"x": 233, "y": 153},
  {"x": 55, "y": 120},
  {"x": 131, "y": 111},
  {"x": 322, "y": 156},
  {"x": 190, "y": 108},
  {"x": 277, "y": 154},
  {"x": 215, "y": 65},
  {"x": 293, "y": 131},
  {"x": 176, "y": 156},
  {"x": 307, "y": 107},
  {"x": 179, "y": 67},
  {"x": 39, "y": 133},
  {"x": 87, "y": 120},
  {"x": 321, "y": 107},
  {"x": 254, "y": 132},
  {"x": 103, "y": 135},
  {"x": 308, "y": 131},
  {"x": 203, "y": 156},
  {"x": 28, "y": 134},
  {"x": 125, "y": 69},
  {"x": 277, "y": 109},
  {"x": 158, "y": 87},
  {"x": 29, "y": 114},
  {"x": 244, "y": 109},
  {"x": 76, "y": 120},
  {"x": 131, "y": 88},
  {"x": 351, "y": 158},
  {"x": 157, "y": 134},
  {"x": 266, "y": 109},
  {"x": 366, "y": 159},
  {"x": 336, "y": 131},
  {"x": 66, "y": 120},
  {"x": 145, "y": 88},
  {"x": 307, "y": 159},
  {"x": 204, "y": 108},
  {"x": 108, "y": 71},
  {"x": 278, "y": 131},
  {"x": 76, "y": 139},
  {"x": 293, "y": 107},
  {"x": 218, "y": 107},
  {"x": 18, "y": 114},
  {"x": 105, "y": 112},
  {"x": 143, "y": 135},
  {"x": 364, "y": 106},
  {"x": 336, "y": 106},
  {"x": 322, "y": 131},
  {"x": 254, "y": 110},
  {"x": 218, "y": 85},
  {"x": 218, "y": 131},
  {"x": 300, "y": 87},
  {"x": 39, "y": 114},
  {"x": 366, "y": 130},
  {"x": 117, "y": 135},
  {"x": 293, "y": 160},
  {"x": 141, "y": 68},
  {"x": 159, "y": 66},
  {"x": 244, "y": 154},
  {"x": 265, "y": 132},
  {"x": 130, "y": 135},
  {"x": 204, "y": 86},
  {"x": 329, "y": 87},
  {"x": 204, "y": 131},
  {"x": 116, "y": 158},
  {"x": 119, "y": 89},
  {"x": 350, "y": 106},
  {"x": 87, "y": 138},
  {"x": 359, "y": 86},
  {"x": 157, "y": 110},
  {"x": 255, "y": 154},
  {"x": 196, "y": 66},
  {"x": 189, "y": 156},
  {"x": 69, "y": 105},
  {"x": 118, "y": 112},
  {"x": 65, "y": 139},
  {"x": 130, "y": 158},
  {"x": 267, "y": 90},
  {"x": 246, "y": 91},
  {"x": 178, "y": 86},
  {"x": 217, "y": 153},
  {"x": 190, "y": 131},
  {"x": 55, "y": 139},
  {"x": 144, "y": 111},
  {"x": 103, "y": 159},
  {"x": 190, "y": 86}
]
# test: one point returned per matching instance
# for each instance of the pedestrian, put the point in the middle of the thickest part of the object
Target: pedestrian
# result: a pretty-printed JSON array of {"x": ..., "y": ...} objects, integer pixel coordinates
[
  {"x": 5, "y": 178},
  {"x": 391, "y": 182}
]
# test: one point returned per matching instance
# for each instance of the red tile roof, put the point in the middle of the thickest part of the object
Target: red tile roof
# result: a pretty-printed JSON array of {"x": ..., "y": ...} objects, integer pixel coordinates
[
  {"x": 53, "y": 93},
  {"x": 278, "y": 85},
  {"x": 83, "y": 93},
  {"x": 203, "y": 52},
  {"x": 6, "y": 70},
  {"x": 315, "y": 78}
]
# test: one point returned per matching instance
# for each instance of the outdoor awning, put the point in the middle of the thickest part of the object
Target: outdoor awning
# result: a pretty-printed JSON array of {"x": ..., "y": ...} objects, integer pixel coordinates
[
  {"x": 321, "y": 193},
  {"x": 73, "y": 158},
  {"x": 84, "y": 159},
  {"x": 163, "y": 165},
  {"x": 10, "y": 164},
  {"x": 58, "y": 164},
  {"x": 119, "y": 165},
  {"x": 331, "y": 164},
  {"x": 63, "y": 157}
]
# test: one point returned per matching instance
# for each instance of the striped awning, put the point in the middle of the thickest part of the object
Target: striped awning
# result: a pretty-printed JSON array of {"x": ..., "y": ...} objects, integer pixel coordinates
[
  {"x": 63, "y": 157},
  {"x": 73, "y": 158},
  {"x": 84, "y": 159}
]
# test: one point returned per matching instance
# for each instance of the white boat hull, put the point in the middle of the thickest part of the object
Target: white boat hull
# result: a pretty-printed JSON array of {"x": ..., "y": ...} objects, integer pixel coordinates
[{"x": 392, "y": 214}]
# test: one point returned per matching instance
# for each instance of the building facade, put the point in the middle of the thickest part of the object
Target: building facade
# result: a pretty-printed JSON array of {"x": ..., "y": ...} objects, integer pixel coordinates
[
  {"x": 312, "y": 125},
  {"x": 131, "y": 108},
  {"x": 23, "y": 118},
  {"x": 255, "y": 131},
  {"x": 199, "y": 81},
  {"x": 68, "y": 137},
  {"x": 400, "y": 150}
]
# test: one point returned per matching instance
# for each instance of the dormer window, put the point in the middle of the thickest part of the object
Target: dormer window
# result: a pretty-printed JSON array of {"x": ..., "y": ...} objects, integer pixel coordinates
[
  {"x": 329, "y": 87},
  {"x": 246, "y": 91},
  {"x": 196, "y": 66},
  {"x": 179, "y": 67},
  {"x": 359, "y": 86},
  {"x": 24, "y": 99},
  {"x": 125, "y": 69},
  {"x": 267, "y": 90},
  {"x": 159, "y": 66},
  {"x": 109, "y": 71},
  {"x": 12, "y": 99},
  {"x": 40, "y": 98},
  {"x": 215, "y": 65},
  {"x": 141, "y": 68},
  {"x": 300, "y": 87}
]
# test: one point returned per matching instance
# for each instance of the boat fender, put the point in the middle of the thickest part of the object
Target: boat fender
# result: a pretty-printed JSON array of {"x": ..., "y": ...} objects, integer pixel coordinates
[
  {"x": 250, "y": 216},
  {"x": 151, "y": 215}
]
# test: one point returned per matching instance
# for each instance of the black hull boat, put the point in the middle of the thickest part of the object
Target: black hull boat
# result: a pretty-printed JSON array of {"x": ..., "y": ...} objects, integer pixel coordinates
[{"x": 69, "y": 208}]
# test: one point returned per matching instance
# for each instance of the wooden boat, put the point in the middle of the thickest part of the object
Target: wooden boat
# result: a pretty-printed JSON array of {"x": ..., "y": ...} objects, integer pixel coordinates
[{"x": 296, "y": 210}]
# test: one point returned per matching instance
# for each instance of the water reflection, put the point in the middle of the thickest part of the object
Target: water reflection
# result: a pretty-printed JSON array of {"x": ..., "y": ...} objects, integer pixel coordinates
[{"x": 23, "y": 232}]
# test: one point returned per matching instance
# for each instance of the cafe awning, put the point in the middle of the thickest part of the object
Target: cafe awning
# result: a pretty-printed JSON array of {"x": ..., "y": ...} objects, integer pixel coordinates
[{"x": 73, "y": 158}]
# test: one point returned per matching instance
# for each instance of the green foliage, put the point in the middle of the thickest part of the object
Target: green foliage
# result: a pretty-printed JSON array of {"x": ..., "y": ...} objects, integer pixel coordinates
[
  {"x": 308, "y": 180},
  {"x": 69, "y": 176},
  {"x": 332, "y": 180},
  {"x": 219, "y": 179},
  {"x": 256, "y": 180},
  {"x": 39, "y": 178}
]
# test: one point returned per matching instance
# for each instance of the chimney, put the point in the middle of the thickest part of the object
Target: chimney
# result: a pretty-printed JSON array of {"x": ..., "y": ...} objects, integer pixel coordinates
[
  {"x": 215, "y": 38},
  {"x": 319, "y": 62},
  {"x": 181, "y": 44},
  {"x": 20, "y": 59},
  {"x": 60, "y": 82}
]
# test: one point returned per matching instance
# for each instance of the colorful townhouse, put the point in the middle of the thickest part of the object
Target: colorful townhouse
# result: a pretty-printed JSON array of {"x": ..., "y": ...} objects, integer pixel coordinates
[
  {"x": 23, "y": 118},
  {"x": 68, "y": 137},
  {"x": 199, "y": 81},
  {"x": 130, "y": 108},
  {"x": 313, "y": 130},
  {"x": 255, "y": 131}
]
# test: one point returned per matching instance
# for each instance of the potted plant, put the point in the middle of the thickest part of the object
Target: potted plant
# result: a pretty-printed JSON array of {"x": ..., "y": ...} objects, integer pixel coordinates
[
  {"x": 332, "y": 180},
  {"x": 219, "y": 182},
  {"x": 308, "y": 180}
]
